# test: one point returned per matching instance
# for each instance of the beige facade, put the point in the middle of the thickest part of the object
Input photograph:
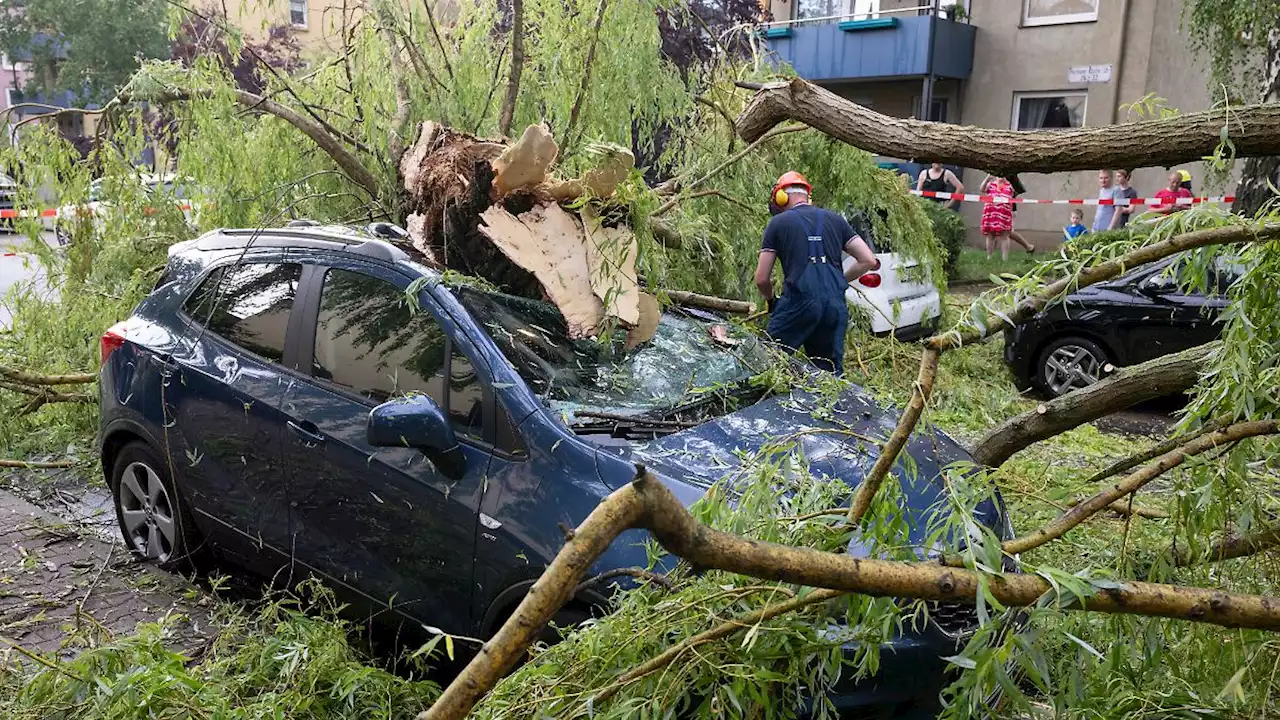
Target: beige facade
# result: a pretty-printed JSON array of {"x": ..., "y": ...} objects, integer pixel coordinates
[
  {"x": 317, "y": 24},
  {"x": 1024, "y": 54}
]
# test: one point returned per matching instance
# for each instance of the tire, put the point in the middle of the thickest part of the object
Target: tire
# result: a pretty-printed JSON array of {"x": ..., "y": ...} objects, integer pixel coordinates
[
  {"x": 151, "y": 513},
  {"x": 1069, "y": 363}
]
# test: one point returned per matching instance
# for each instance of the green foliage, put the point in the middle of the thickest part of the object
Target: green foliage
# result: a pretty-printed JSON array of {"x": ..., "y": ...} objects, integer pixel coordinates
[
  {"x": 949, "y": 228},
  {"x": 275, "y": 664},
  {"x": 1228, "y": 32},
  {"x": 87, "y": 47}
]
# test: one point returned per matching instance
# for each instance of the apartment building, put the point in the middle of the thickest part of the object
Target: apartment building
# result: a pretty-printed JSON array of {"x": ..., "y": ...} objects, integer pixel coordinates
[
  {"x": 1019, "y": 64},
  {"x": 318, "y": 25}
]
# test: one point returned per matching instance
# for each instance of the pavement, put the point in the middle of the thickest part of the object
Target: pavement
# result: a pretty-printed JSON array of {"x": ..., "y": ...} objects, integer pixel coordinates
[
  {"x": 17, "y": 265},
  {"x": 67, "y": 581}
]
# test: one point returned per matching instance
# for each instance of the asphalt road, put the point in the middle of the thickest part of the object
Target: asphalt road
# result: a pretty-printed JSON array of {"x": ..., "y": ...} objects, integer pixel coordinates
[{"x": 18, "y": 266}]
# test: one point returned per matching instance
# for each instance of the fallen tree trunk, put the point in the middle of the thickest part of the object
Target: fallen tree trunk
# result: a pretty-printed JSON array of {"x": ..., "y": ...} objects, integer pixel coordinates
[
  {"x": 1125, "y": 388},
  {"x": 1255, "y": 130},
  {"x": 647, "y": 504},
  {"x": 708, "y": 302}
]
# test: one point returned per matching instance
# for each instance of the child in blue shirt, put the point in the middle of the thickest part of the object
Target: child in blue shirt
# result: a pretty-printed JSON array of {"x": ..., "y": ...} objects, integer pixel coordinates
[{"x": 1076, "y": 228}]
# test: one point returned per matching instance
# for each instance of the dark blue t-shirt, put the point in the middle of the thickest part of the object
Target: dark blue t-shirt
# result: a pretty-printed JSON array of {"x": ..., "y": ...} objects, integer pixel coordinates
[{"x": 788, "y": 235}]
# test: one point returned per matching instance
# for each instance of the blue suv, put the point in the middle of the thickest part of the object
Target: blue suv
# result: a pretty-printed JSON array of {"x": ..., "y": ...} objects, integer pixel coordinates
[{"x": 311, "y": 401}]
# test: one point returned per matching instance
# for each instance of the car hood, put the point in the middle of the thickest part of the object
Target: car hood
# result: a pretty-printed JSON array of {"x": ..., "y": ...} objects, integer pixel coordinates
[{"x": 837, "y": 442}]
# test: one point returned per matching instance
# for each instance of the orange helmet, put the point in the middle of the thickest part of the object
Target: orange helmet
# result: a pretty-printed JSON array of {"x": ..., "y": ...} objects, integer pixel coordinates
[{"x": 788, "y": 179}]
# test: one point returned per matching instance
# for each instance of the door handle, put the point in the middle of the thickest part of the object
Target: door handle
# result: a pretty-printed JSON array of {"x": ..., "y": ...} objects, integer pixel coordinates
[{"x": 308, "y": 431}]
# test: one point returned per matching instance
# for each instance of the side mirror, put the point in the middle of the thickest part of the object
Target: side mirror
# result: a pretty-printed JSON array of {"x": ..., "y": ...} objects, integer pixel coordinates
[
  {"x": 1157, "y": 285},
  {"x": 417, "y": 422}
]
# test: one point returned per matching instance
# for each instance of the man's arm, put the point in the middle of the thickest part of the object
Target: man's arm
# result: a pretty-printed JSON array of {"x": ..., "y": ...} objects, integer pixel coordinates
[
  {"x": 959, "y": 188},
  {"x": 764, "y": 275},
  {"x": 864, "y": 259},
  {"x": 920, "y": 180}
]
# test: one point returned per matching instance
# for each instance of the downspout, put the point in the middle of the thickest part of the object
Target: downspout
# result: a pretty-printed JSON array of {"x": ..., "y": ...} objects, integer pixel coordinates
[{"x": 1118, "y": 76}]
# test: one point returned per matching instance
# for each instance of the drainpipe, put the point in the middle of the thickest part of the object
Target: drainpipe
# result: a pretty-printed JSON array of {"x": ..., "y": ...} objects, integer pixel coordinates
[
  {"x": 1118, "y": 75},
  {"x": 926, "y": 91}
]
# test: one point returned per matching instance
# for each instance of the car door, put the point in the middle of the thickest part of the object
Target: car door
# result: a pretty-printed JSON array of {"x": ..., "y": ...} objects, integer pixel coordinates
[
  {"x": 385, "y": 526},
  {"x": 1174, "y": 317},
  {"x": 223, "y": 398}
]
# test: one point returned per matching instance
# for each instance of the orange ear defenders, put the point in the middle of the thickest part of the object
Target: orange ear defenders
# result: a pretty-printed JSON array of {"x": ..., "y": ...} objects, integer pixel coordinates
[{"x": 788, "y": 179}]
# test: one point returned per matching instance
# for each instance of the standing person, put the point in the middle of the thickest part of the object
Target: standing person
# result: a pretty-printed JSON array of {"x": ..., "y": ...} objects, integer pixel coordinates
[
  {"x": 1122, "y": 212},
  {"x": 1169, "y": 193},
  {"x": 1014, "y": 235},
  {"x": 808, "y": 241},
  {"x": 1106, "y": 191},
  {"x": 1186, "y": 181},
  {"x": 936, "y": 179},
  {"x": 1076, "y": 227},
  {"x": 997, "y": 217}
]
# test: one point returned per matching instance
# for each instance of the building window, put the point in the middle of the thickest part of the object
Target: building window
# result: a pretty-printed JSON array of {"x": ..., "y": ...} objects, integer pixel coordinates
[
  {"x": 1058, "y": 12},
  {"x": 298, "y": 13},
  {"x": 937, "y": 109},
  {"x": 1048, "y": 110},
  {"x": 853, "y": 9}
]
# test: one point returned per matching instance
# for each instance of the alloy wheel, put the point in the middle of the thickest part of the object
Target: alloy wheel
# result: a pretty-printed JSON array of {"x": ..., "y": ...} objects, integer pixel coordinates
[
  {"x": 147, "y": 513},
  {"x": 1071, "y": 367}
]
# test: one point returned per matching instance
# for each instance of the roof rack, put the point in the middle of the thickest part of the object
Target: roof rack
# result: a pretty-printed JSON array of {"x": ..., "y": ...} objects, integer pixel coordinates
[{"x": 312, "y": 236}]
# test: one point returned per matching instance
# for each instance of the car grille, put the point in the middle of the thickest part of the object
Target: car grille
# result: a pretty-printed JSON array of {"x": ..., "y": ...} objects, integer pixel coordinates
[{"x": 954, "y": 619}]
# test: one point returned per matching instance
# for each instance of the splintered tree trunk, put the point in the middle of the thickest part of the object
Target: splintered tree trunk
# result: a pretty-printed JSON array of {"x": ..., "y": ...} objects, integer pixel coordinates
[
  {"x": 1260, "y": 174},
  {"x": 1255, "y": 130}
]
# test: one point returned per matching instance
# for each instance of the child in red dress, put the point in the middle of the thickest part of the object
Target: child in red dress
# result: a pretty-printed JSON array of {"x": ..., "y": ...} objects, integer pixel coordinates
[{"x": 997, "y": 217}]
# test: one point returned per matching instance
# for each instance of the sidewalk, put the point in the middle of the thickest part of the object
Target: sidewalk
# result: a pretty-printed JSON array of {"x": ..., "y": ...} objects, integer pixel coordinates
[{"x": 63, "y": 588}]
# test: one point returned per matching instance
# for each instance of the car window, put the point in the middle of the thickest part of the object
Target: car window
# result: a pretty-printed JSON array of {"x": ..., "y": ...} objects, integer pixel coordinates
[
  {"x": 508, "y": 439},
  {"x": 249, "y": 305},
  {"x": 466, "y": 396},
  {"x": 369, "y": 341}
]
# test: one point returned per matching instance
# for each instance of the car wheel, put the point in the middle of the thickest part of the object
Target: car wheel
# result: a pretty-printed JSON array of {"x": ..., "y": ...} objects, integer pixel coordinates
[
  {"x": 1069, "y": 364},
  {"x": 153, "y": 519}
]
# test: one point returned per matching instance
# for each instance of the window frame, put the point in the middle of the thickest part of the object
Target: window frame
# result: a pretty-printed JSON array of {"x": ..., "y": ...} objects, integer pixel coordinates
[
  {"x": 1019, "y": 96},
  {"x": 291, "y": 327},
  {"x": 1074, "y": 18},
  {"x": 306, "y": 14},
  {"x": 309, "y": 319}
]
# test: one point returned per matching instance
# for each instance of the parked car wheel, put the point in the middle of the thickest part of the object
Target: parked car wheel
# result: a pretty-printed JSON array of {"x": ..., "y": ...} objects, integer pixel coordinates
[
  {"x": 1069, "y": 363},
  {"x": 153, "y": 520}
]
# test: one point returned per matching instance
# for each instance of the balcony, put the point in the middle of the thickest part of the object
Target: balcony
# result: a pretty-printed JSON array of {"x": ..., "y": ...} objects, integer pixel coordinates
[{"x": 881, "y": 48}]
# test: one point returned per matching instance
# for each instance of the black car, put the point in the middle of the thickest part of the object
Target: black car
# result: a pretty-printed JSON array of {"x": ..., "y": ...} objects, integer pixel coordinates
[{"x": 1134, "y": 318}]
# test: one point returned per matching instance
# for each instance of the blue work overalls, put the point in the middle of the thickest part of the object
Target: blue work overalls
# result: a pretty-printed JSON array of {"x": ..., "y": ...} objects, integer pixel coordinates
[{"x": 812, "y": 313}]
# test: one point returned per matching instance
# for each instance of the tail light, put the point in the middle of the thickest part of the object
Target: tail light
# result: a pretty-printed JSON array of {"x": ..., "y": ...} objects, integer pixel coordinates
[
  {"x": 112, "y": 340},
  {"x": 871, "y": 279}
]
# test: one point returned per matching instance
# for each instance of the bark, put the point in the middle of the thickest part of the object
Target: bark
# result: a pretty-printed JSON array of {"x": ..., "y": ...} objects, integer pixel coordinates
[
  {"x": 1237, "y": 546},
  {"x": 1155, "y": 451},
  {"x": 29, "y": 378},
  {"x": 1134, "y": 481},
  {"x": 708, "y": 302},
  {"x": 647, "y": 504},
  {"x": 1125, "y": 388},
  {"x": 1255, "y": 130},
  {"x": 517, "y": 67},
  {"x": 893, "y": 446},
  {"x": 51, "y": 464},
  {"x": 1260, "y": 174},
  {"x": 581, "y": 98}
]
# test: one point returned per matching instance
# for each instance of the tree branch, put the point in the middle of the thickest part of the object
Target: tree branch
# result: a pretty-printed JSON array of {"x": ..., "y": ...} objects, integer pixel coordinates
[
  {"x": 29, "y": 378},
  {"x": 1255, "y": 130},
  {"x": 435, "y": 31},
  {"x": 400, "y": 119},
  {"x": 517, "y": 67},
  {"x": 1155, "y": 451},
  {"x": 1236, "y": 546},
  {"x": 1136, "y": 480},
  {"x": 675, "y": 186},
  {"x": 646, "y": 503},
  {"x": 586, "y": 76},
  {"x": 1126, "y": 387}
]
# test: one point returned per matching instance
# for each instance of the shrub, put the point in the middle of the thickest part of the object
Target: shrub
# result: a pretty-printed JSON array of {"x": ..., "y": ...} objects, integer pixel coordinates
[{"x": 948, "y": 227}]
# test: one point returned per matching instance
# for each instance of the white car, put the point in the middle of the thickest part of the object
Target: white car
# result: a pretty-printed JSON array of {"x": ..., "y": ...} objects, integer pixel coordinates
[
  {"x": 906, "y": 309},
  {"x": 166, "y": 185}
]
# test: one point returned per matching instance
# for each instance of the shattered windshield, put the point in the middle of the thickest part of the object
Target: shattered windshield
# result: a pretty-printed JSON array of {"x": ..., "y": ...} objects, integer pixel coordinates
[{"x": 682, "y": 362}]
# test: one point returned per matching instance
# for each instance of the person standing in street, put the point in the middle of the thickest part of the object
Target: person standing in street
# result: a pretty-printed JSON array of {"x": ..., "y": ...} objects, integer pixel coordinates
[
  {"x": 1170, "y": 194},
  {"x": 997, "y": 216},
  {"x": 1014, "y": 235},
  {"x": 809, "y": 241},
  {"x": 1122, "y": 212},
  {"x": 937, "y": 179},
  {"x": 1106, "y": 191}
]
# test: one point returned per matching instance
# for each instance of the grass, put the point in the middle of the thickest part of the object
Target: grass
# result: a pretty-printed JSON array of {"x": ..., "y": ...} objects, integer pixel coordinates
[{"x": 973, "y": 265}]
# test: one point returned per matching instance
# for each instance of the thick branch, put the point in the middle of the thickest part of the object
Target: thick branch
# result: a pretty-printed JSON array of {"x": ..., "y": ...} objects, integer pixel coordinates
[
  {"x": 30, "y": 378},
  {"x": 1236, "y": 546},
  {"x": 1127, "y": 387},
  {"x": 37, "y": 465},
  {"x": 1255, "y": 130},
  {"x": 400, "y": 118},
  {"x": 709, "y": 302},
  {"x": 1154, "y": 451},
  {"x": 889, "y": 453},
  {"x": 517, "y": 67},
  {"x": 676, "y": 185},
  {"x": 647, "y": 504},
  {"x": 1134, "y": 481},
  {"x": 586, "y": 76}
]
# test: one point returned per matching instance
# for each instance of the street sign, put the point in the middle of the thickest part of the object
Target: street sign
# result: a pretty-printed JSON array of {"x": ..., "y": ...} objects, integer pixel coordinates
[{"x": 1089, "y": 74}]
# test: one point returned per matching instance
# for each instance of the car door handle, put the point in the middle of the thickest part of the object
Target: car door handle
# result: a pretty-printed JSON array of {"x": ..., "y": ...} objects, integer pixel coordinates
[{"x": 308, "y": 431}]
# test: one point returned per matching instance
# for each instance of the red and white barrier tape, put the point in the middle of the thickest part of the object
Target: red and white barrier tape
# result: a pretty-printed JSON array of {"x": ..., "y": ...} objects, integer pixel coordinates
[
  {"x": 1001, "y": 199},
  {"x": 81, "y": 210}
]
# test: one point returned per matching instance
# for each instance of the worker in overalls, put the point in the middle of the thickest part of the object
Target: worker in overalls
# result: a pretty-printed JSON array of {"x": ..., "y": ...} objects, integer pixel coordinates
[{"x": 811, "y": 314}]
